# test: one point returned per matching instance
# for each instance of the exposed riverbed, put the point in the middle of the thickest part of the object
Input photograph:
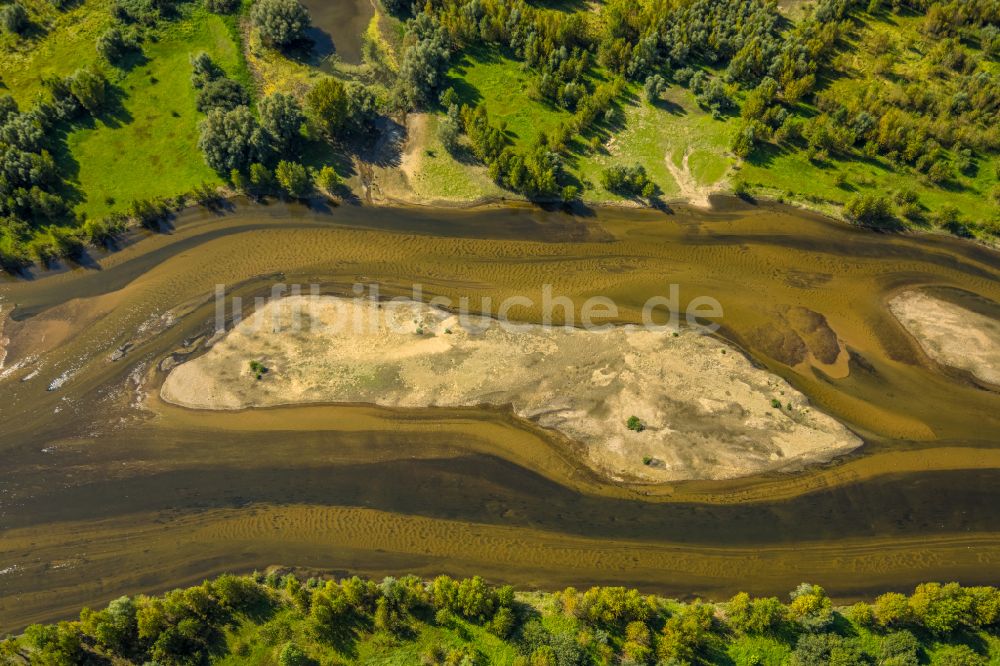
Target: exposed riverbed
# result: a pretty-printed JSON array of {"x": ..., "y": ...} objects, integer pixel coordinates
[
  {"x": 701, "y": 410},
  {"x": 107, "y": 489}
]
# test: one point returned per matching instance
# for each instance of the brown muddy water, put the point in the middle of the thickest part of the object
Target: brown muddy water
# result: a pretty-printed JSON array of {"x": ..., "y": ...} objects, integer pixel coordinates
[
  {"x": 105, "y": 490},
  {"x": 339, "y": 27}
]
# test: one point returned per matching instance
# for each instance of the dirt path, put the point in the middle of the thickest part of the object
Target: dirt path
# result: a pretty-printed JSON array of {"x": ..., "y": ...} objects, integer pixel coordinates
[{"x": 695, "y": 194}]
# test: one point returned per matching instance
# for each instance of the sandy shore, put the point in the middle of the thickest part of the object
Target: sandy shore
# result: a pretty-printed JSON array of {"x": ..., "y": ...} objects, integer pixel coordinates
[
  {"x": 950, "y": 334},
  {"x": 707, "y": 411}
]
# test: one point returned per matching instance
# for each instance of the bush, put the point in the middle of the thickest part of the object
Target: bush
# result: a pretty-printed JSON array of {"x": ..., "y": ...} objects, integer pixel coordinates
[
  {"x": 958, "y": 655},
  {"x": 281, "y": 22},
  {"x": 14, "y": 18},
  {"x": 293, "y": 655},
  {"x": 628, "y": 181},
  {"x": 327, "y": 179},
  {"x": 222, "y": 6},
  {"x": 870, "y": 209},
  {"x": 635, "y": 424},
  {"x": 221, "y": 93},
  {"x": 654, "y": 87},
  {"x": 293, "y": 178},
  {"x": 90, "y": 88},
  {"x": 114, "y": 43}
]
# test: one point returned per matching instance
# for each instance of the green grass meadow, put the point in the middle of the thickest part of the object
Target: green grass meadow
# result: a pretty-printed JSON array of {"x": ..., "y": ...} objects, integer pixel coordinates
[{"x": 149, "y": 147}]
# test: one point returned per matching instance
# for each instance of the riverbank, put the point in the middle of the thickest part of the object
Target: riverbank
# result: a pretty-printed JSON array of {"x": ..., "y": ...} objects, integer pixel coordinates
[
  {"x": 112, "y": 492},
  {"x": 262, "y": 618}
]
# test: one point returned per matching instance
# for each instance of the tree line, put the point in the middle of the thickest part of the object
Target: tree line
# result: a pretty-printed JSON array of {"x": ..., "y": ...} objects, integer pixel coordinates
[{"x": 303, "y": 622}]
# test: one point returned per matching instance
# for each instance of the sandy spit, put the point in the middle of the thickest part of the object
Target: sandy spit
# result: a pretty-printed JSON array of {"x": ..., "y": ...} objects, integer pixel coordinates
[
  {"x": 708, "y": 412},
  {"x": 950, "y": 334}
]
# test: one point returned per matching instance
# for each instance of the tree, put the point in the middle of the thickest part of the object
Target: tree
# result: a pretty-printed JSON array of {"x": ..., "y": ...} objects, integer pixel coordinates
[
  {"x": 755, "y": 616},
  {"x": 231, "y": 139},
  {"x": 362, "y": 106},
  {"x": 282, "y": 118},
  {"x": 14, "y": 18},
  {"x": 686, "y": 634},
  {"x": 941, "y": 609},
  {"x": 90, "y": 88},
  {"x": 899, "y": 648},
  {"x": 326, "y": 106},
  {"x": 810, "y": 607},
  {"x": 424, "y": 62},
  {"x": 221, "y": 93},
  {"x": 293, "y": 178},
  {"x": 203, "y": 70},
  {"x": 115, "y": 628},
  {"x": 281, "y": 22},
  {"x": 450, "y": 129},
  {"x": 826, "y": 650},
  {"x": 654, "y": 87},
  {"x": 221, "y": 6},
  {"x": 398, "y": 7},
  {"x": 261, "y": 179},
  {"x": 746, "y": 138},
  {"x": 327, "y": 179},
  {"x": 113, "y": 44}
]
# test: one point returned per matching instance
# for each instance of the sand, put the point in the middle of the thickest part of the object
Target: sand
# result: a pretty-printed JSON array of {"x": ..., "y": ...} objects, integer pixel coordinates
[
  {"x": 950, "y": 334},
  {"x": 706, "y": 409}
]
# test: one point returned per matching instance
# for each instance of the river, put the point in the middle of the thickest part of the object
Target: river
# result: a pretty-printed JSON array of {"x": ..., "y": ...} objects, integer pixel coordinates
[{"x": 105, "y": 490}]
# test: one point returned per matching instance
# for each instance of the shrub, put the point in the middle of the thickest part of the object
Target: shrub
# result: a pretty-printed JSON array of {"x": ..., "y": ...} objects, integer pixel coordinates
[
  {"x": 635, "y": 424},
  {"x": 628, "y": 181},
  {"x": 257, "y": 369},
  {"x": 14, "y": 18},
  {"x": 293, "y": 178},
  {"x": 870, "y": 209},
  {"x": 327, "y": 179},
  {"x": 222, "y": 6},
  {"x": 221, "y": 93},
  {"x": 90, "y": 88},
  {"x": 114, "y": 43}
]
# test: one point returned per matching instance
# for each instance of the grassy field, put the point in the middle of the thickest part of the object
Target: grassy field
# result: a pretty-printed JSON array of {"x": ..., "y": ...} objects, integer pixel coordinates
[
  {"x": 886, "y": 49},
  {"x": 648, "y": 135},
  {"x": 148, "y": 147},
  {"x": 642, "y": 133},
  {"x": 59, "y": 43}
]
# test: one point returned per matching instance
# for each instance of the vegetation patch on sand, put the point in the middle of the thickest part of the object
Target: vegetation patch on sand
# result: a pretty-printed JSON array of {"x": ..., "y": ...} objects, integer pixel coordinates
[
  {"x": 707, "y": 411},
  {"x": 950, "y": 334}
]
